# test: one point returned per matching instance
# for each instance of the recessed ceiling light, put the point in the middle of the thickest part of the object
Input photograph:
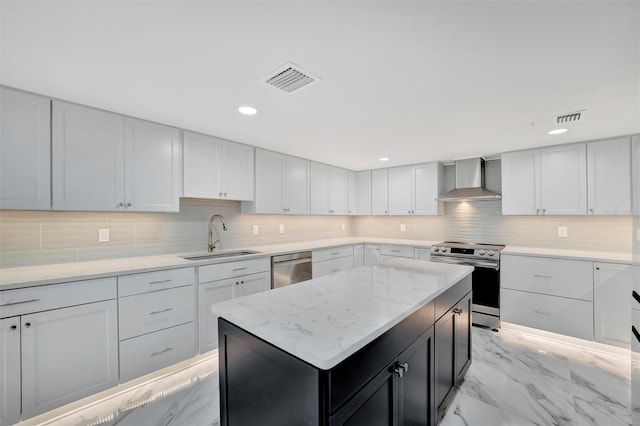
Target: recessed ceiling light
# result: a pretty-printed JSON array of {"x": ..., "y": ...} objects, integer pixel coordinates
[
  {"x": 383, "y": 159},
  {"x": 247, "y": 110},
  {"x": 557, "y": 131}
]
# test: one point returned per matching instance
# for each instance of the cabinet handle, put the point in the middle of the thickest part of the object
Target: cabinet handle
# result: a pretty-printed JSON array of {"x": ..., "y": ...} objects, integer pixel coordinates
[
  {"x": 128, "y": 204},
  {"x": 333, "y": 254},
  {"x": 13, "y": 327},
  {"x": 239, "y": 269},
  {"x": 160, "y": 312},
  {"x": 542, "y": 276},
  {"x": 335, "y": 270},
  {"x": 19, "y": 303},
  {"x": 398, "y": 370},
  {"x": 241, "y": 282},
  {"x": 591, "y": 210},
  {"x": 395, "y": 251},
  {"x": 225, "y": 194},
  {"x": 160, "y": 282},
  {"x": 27, "y": 324},
  {"x": 537, "y": 211},
  {"x": 219, "y": 194},
  {"x": 167, "y": 349},
  {"x": 457, "y": 311},
  {"x": 405, "y": 366},
  {"x": 541, "y": 312},
  {"x": 120, "y": 205},
  {"x": 544, "y": 211}
]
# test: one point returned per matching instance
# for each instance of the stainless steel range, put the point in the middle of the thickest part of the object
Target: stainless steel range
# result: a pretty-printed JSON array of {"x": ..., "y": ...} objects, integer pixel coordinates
[{"x": 485, "y": 279}]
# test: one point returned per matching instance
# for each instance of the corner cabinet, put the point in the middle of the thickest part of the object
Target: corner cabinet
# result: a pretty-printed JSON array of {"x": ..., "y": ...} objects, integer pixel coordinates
[
  {"x": 281, "y": 184},
  {"x": 25, "y": 151},
  {"x": 108, "y": 162},
  {"x": 216, "y": 168}
]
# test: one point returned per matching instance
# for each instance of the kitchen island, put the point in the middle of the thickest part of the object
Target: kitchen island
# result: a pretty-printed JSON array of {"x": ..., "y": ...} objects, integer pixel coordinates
[{"x": 385, "y": 344}]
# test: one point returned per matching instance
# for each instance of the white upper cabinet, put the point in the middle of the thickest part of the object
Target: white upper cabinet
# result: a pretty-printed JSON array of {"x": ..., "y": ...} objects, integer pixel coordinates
[
  {"x": 281, "y": 184},
  {"x": 413, "y": 190},
  {"x": 352, "y": 193},
  {"x": 636, "y": 175},
  {"x": 338, "y": 190},
  {"x": 25, "y": 153},
  {"x": 216, "y": 168},
  {"x": 363, "y": 192},
  {"x": 551, "y": 181},
  {"x": 521, "y": 182},
  {"x": 105, "y": 161},
  {"x": 380, "y": 192},
  {"x": 563, "y": 173},
  {"x": 318, "y": 188},
  {"x": 609, "y": 177}
]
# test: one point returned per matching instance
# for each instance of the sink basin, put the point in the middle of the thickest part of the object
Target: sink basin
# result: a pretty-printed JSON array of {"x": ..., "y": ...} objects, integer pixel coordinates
[{"x": 223, "y": 254}]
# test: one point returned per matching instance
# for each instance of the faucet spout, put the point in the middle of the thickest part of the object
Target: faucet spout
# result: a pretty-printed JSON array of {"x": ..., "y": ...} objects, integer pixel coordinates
[{"x": 212, "y": 244}]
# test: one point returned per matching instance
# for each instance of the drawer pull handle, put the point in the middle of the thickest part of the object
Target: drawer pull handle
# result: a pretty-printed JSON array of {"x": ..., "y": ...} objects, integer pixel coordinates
[
  {"x": 333, "y": 254},
  {"x": 542, "y": 276},
  {"x": 160, "y": 312},
  {"x": 19, "y": 303},
  {"x": 542, "y": 312},
  {"x": 161, "y": 281},
  {"x": 240, "y": 269},
  {"x": 167, "y": 349},
  {"x": 395, "y": 251},
  {"x": 335, "y": 270}
]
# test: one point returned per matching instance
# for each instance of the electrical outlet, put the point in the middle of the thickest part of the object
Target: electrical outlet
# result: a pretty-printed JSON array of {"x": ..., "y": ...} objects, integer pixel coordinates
[
  {"x": 563, "y": 232},
  {"x": 281, "y": 228},
  {"x": 103, "y": 235},
  {"x": 342, "y": 227},
  {"x": 256, "y": 230},
  {"x": 402, "y": 227}
]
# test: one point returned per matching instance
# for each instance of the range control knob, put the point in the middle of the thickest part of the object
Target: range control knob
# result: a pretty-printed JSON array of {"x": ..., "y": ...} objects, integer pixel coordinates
[
  {"x": 444, "y": 249},
  {"x": 492, "y": 253},
  {"x": 482, "y": 252}
]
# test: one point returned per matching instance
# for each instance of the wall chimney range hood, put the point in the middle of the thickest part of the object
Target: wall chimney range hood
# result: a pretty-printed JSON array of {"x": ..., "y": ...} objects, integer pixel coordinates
[{"x": 469, "y": 183}]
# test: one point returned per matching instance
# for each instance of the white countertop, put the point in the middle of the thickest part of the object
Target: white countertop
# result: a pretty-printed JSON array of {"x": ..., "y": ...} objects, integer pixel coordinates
[
  {"x": 602, "y": 256},
  {"x": 325, "y": 320}
]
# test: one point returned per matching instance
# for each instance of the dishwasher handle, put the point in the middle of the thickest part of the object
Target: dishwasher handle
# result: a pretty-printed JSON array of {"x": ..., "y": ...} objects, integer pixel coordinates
[{"x": 291, "y": 262}]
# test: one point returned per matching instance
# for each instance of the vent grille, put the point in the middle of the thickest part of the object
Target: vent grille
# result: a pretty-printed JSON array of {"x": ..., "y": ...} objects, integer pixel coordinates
[
  {"x": 289, "y": 78},
  {"x": 571, "y": 117}
]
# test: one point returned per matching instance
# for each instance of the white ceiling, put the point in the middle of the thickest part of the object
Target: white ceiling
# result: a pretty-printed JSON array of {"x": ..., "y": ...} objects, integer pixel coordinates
[{"x": 415, "y": 81}]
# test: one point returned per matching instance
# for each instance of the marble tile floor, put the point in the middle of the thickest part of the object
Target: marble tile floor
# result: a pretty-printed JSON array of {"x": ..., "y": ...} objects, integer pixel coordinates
[{"x": 515, "y": 379}]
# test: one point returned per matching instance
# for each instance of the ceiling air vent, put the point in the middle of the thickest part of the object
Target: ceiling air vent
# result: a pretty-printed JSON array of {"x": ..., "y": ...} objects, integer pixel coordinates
[
  {"x": 290, "y": 78},
  {"x": 571, "y": 117}
]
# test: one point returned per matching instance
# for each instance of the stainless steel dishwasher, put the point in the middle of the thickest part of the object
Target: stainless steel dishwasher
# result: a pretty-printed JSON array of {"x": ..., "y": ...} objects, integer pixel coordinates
[{"x": 290, "y": 268}]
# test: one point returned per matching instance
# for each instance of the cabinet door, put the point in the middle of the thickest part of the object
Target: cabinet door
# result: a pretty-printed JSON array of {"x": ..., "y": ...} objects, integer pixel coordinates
[
  {"x": 363, "y": 190},
  {"x": 296, "y": 185},
  {"x": 352, "y": 193},
  {"x": 428, "y": 185},
  {"x": 25, "y": 152},
  {"x": 318, "y": 188},
  {"x": 202, "y": 166},
  {"x": 401, "y": 190},
  {"x": 208, "y": 294},
  {"x": 358, "y": 255},
  {"x": 10, "y": 371},
  {"x": 376, "y": 404},
  {"x": 237, "y": 171},
  {"x": 415, "y": 388},
  {"x": 521, "y": 183},
  {"x": 611, "y": 303},
  {"x": 153, "y": 161},
  {"x": 338, "y": 192},
  {"x": 445, "y": 368},
  {"x": 371, "y": 254},
  {"x": 251, "y": 284},
  {"x": 68, "y": 354},
  {"x": 563, "y": 172},
  {"x": 609, "y": 177},
  {"x": 380, "y": 192},
  {"x": 463, "y": 336},
  {"x": 88, "y": 158},
  {"x": 269, "y": 181}
]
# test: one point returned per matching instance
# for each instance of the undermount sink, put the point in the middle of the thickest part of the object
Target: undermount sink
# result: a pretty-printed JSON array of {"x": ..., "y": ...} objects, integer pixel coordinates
[{"x": 223, "y": 254}]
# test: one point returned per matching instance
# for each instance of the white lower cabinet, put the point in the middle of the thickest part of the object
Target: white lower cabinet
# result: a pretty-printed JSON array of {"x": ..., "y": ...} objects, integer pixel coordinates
[
  {"x": 332, "y": 260},
  {"x": 612, "y": 306},
  {"x": 562, "y": 315},
  {"x": 10, "y": 389},
  {"x": 227, "y": 281},
  {"x": 371, "y": 254},
  {"x": 358, "y": 255}
]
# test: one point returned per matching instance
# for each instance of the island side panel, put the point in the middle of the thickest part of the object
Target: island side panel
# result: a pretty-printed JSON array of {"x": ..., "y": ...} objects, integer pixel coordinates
[{"x": 261, "y": 384}]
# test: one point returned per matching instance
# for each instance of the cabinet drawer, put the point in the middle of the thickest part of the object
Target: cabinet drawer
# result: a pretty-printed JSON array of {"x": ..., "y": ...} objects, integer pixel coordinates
[
  {"x": 331, "y": 253},
  {"x": 327, "y": 267},
  {"x": 149, "y": 312},
  {"x": 42, "y": 298},
  {"x": 157, "y": 350},
  {"x": 398, "y": 251},
  {"x": 154, "y": 281},
  {"x": 556, "y": 277},
  {"x": 222, "y": 271},
  {"x": 556, "y": 314}
]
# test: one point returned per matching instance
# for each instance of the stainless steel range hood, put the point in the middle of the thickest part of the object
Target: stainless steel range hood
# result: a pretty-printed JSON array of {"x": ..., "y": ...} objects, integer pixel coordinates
[{"x": 469, "y": 183}]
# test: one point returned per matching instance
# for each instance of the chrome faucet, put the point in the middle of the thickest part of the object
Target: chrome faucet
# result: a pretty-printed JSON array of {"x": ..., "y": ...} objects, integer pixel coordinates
[{"x": 211, "y": 244}]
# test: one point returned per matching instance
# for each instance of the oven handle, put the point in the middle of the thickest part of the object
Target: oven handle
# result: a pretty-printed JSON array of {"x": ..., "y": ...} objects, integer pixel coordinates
[{"x": 470, "y": 262}]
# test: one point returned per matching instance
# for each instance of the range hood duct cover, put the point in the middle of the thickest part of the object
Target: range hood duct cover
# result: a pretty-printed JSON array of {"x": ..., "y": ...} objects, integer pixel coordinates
[{"x": 469, "y": 183}]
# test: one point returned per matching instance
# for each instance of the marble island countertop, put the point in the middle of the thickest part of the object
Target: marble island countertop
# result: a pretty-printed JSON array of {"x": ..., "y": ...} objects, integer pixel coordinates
[{"x": 325, "y": 320}]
